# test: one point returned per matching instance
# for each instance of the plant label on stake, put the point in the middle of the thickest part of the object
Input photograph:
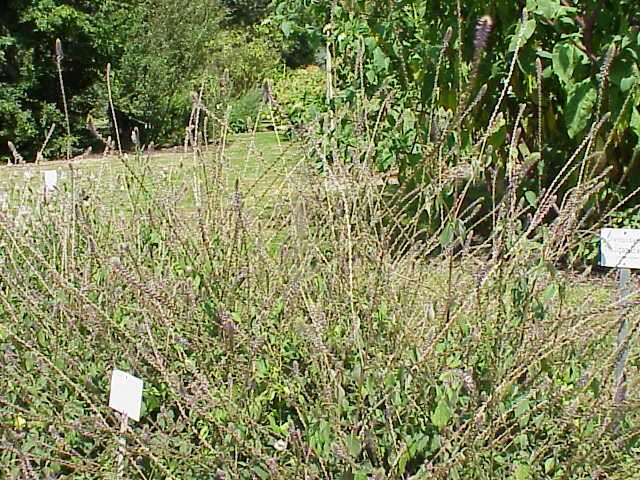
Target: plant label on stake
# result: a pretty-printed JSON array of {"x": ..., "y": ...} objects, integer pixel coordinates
[
  {"x": 126, "y": 394},
  {"x": 125, "y": 397},
  {"x": 50, "y": 180},
  {"x": 620, "y": 247}
]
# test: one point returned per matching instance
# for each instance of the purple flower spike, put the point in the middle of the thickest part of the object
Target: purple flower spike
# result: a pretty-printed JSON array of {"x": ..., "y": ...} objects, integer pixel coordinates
[{"x": 483, "y": 29}]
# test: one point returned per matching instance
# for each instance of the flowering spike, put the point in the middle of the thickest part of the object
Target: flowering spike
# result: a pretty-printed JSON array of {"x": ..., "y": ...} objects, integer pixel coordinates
[{"x": 483, "y": 29}]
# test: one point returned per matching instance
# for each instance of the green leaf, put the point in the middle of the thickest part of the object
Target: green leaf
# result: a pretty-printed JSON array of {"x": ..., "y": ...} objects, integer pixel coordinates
[
  {"x": 544, "y": 54},
  {"x": 287, "y": 28},
  {"x": 634, "y": 123},
  {"x": 446, "y": 236},
  {"x": 260, "y": 472},
  {"x": 531, "y": 198},
  {"x": 441, "y": 415},
  {"x": 580, "y": 103},
  {"x": 565, "y": 59},
  {"x": 549, "y": 465},
  {"x": 4, "y": 333},
  {"x": 550, "y": 292},
  {"x": 551, "y": 9},
  {"x": 522, "y": 440},
  {"x": 522, "y": 408},
  {"x": 59, "y": 362},
  {"x": 370, "y": 43},
  {"x": 28, "y": 363},
  {"x": 408, "y": 121},
  {"x": 380, "y": 60},
  {"x": 525, "y": 33},
  {"x": 546, "y": 8},
  {"x": 627, "y": 83},
  {"x": 354, "y": 447},
  {"x": 523, "y": 472}
]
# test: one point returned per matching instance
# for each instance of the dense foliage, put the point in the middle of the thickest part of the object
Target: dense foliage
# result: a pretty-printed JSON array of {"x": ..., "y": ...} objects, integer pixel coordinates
[
  {"x": 162, "y": 60},
  {"x": 452, "y": 89},
  {"x": 30, "y": 93},
  {"x": 245, "y": 12},
  {"x": 160, "y": 53},
  {"x": 332, "y": 322},
  {"x": 279, "y": 337}
]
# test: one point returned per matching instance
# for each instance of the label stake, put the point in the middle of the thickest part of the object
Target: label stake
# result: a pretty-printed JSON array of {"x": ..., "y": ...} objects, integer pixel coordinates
[
  {"x": 125, "y": 397},
  {"x": 122, "y": 447}
]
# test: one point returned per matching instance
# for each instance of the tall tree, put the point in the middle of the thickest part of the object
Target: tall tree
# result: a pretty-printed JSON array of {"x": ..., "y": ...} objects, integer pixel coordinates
[
  {"x": 166, "y": 50},
  {"x": 91, "y": 32},
  {"x": 155, "y": 48}
]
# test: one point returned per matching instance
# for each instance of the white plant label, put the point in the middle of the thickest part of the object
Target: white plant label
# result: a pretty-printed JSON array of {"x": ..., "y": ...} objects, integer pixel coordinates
[
  {"x": 50, "y": 180},
  {"x": 126, "y": 394},
  {"x": 620, "y": 247}
]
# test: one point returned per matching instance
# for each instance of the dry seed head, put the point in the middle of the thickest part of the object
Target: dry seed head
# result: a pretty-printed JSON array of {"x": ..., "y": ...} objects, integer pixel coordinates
[
  {"x": 14, "y": 151},
  {"x": 447, "y": 37},
  {"x": 224, "y": 79},
  {"x": 360, "y": 56},
  {"x": 59, "y": 54},
  {"x": 483, "y": 29},
  {"x": 539, "y": 70},
  {"x": 481, "y": 93},
  {"x": 606, "y": 64}
]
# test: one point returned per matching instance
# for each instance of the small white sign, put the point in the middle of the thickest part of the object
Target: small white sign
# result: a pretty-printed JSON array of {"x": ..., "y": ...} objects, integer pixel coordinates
[
  {"x": 50, "y": 180},
  {"x": 126, "y": 394},
  {"x": 620, "y": 247}
]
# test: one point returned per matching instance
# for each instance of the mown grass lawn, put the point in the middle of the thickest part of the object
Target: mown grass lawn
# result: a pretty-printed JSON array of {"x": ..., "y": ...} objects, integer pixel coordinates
[{"x": 260, "y": 162}]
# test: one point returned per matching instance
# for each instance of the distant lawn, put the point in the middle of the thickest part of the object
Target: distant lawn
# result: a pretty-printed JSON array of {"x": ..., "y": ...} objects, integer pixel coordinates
[{"x": 260, "y": 163}]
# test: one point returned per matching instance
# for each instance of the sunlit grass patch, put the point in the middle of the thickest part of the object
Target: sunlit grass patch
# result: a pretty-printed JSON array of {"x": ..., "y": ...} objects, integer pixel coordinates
[{"x": 257, "y": 161}]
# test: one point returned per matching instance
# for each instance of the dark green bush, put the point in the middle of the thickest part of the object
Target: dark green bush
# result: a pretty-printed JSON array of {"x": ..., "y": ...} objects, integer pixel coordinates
[{"x": 245, "y": 111}]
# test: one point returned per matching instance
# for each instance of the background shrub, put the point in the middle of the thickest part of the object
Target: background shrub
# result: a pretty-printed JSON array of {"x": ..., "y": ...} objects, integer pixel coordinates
[
  {"x": 245, "y": 111},
  {"x": 300, "y": 94}
]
